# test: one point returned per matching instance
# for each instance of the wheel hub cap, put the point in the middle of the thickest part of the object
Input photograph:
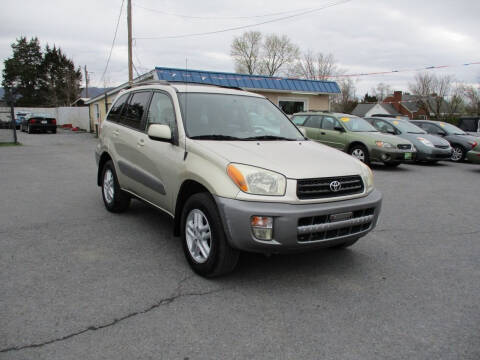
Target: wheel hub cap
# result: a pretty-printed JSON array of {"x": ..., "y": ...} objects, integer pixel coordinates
[
  {"x": 198, "y": 235},
  {"x": 457, "y": 154},
  {"x": 108, "y": 188},
  {"x": 358, "y": 153}
]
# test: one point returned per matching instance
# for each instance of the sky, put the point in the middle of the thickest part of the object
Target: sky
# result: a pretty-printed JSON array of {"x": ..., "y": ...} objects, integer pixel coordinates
[{"x": 363, "y": 35}]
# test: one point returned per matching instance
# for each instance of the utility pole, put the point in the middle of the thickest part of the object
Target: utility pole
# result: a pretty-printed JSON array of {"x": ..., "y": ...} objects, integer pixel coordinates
[
  {"x": 129, "y": 21},
  {"x": 86, "y": 81}
]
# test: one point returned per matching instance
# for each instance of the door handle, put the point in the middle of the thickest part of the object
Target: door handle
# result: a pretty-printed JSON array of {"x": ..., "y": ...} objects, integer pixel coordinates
[
  {"x": 141, "y": 142},
  {"x": 116, "y": 132},
  {"x": 322, "y": 133}
]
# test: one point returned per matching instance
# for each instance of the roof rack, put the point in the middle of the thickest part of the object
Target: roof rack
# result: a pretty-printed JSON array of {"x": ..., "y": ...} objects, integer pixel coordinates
[{"x": 148, "y": 82}]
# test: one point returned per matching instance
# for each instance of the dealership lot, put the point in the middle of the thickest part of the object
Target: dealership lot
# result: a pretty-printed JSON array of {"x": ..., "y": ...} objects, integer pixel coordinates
[{"x": 79, "y": 282}]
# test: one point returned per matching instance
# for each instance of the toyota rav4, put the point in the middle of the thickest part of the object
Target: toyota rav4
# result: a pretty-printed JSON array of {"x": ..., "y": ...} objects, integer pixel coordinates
[{"x": 232, "y": 171}]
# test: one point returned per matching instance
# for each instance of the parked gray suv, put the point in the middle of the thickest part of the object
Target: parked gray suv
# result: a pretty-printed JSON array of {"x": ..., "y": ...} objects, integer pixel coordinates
[{"x": 233, "y": 172}]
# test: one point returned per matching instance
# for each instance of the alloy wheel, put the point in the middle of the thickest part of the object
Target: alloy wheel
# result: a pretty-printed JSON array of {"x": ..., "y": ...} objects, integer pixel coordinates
[
  {"x": 198, "y": 236},
  {"x": 108, "y": 186},
  {"x": 359, "y": 154}
]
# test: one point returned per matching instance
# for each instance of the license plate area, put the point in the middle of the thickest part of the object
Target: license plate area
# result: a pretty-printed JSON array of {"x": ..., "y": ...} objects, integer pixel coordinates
[
  {"x": 44, "y": 121},
  {"x": 408, "y": 156},
  {"x": 341, "y": 216}
]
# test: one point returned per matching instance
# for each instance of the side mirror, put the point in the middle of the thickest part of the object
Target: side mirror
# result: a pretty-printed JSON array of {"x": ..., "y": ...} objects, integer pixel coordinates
[
  {"x": 339, "y": 128},
  {"x": 159, "y": 132},
  {"x": 442, "y": 133}
]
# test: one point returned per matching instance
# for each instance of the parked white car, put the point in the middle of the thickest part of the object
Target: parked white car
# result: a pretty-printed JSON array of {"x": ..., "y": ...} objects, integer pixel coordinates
[{"x": 234, "y": 173}]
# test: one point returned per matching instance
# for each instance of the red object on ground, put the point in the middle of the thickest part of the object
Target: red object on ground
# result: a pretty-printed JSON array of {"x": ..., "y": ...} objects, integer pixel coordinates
[{"x": 75, "y": 129}]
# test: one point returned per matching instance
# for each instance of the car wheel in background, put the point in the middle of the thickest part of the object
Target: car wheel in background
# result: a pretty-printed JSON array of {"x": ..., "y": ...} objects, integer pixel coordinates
[
  {"x": 115, "y": 199},
  {"x": 458, "y": 153},
  {"x": 361, "y": 153},
  {"x": 204, "y": 241}
]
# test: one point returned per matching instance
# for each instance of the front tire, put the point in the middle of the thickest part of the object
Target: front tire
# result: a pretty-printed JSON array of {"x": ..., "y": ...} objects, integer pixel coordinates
[
  {"x": 361, "y": 153},
  {"x": 204, "y": 241},
  {"x": 114, "y": 198},
  {"x": 458, "y": 154}
]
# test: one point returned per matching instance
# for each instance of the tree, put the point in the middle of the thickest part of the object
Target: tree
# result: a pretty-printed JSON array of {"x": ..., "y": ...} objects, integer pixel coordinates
[
  {"x": 245, "y": 51},
  {"x": 22, "y": 73},
  {"x": 367, "y": 99},
  {"x": 456, "y": 102},
  {"x": 345, "y": 101},
  {"x": 315, "y": 66},
  {"x": 33, "y": 78},
  {"x": 381, "y": 91},
  {"x": 278, "y": 53},
  {"x": 472, "y": 96},
  {"x": 60, "y": 81}
]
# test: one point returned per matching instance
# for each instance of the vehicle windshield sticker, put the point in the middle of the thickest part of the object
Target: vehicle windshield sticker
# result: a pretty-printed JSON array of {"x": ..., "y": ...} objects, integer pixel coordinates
[
  {"x": 395, "y": 122},
  {"x": 345, "y": 119}
]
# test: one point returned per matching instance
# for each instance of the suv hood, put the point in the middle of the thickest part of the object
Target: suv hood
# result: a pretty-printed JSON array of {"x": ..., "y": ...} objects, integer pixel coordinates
[{"x": 293, "y": 159}]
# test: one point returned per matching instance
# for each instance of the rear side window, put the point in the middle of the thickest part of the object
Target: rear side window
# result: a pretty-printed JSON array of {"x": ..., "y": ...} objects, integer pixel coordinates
[
  {"x": 132, "y": 116},
  {"x": 313, "y": 121},
  {"x": 299, "y": 120},
  {"x": 116, "y": 108}
]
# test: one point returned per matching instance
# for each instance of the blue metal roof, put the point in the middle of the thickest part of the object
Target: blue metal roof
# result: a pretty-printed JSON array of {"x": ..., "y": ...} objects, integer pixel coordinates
[{"x": 244, "y": 81}]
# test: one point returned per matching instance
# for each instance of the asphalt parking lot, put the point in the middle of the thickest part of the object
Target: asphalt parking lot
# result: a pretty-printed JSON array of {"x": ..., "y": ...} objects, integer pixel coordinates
[{"x": 77, "y": 282}]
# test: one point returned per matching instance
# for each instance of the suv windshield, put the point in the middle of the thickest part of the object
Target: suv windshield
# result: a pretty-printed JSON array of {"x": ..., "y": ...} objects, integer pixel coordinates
[
  {"x": 234, "y": 117},
  {"x": 357, "y": 124},
  {"x": 408, "y": 127}
]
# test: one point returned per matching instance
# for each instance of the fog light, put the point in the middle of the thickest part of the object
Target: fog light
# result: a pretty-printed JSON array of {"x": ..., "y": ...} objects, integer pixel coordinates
[
  {"x": 385, "y": 157},
  {"x": 262, "y": 227}
]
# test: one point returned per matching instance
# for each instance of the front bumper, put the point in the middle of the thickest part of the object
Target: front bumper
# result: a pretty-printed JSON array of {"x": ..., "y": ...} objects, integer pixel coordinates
[
  {"x": 434, "y": 154},
  {"x": 391, "y": 155},
  {"x": 290, "y": 234},
  {"x": 473, "y": 156}
]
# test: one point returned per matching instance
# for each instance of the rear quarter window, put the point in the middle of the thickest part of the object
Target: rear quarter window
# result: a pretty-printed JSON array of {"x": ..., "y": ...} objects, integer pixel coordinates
[{"x": 117, "y": 107}]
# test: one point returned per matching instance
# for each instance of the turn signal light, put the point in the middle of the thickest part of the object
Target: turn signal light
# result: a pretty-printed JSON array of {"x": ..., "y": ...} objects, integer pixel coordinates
[{"x": 237, "y": 177}]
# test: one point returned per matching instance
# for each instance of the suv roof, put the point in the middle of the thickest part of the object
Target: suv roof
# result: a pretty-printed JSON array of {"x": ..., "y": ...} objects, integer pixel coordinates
[{"x": 189, "y": 87}]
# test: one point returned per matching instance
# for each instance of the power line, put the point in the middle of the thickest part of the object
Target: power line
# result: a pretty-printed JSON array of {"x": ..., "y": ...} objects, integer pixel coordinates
[
  {"x": 113, "y": 42},
  {"x": 245, "y": 26},
  {"x": 219, "y": 17}
]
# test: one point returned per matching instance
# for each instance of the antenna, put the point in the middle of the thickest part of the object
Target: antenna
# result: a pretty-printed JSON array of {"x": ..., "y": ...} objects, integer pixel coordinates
[{"x": 186, "y": 108}]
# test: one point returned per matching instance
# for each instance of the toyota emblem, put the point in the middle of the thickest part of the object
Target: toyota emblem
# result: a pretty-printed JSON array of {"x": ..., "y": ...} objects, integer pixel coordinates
[{"x": 335, "y": 186}]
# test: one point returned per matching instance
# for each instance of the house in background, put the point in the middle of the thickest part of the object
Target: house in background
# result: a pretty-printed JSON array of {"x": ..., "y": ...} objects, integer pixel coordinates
[
  {"x": 367, "y": 110},
  {"x": 291, "y": 95}
]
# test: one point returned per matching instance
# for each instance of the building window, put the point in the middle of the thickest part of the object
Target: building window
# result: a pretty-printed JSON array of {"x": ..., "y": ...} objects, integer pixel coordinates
[
  {"x": 97, "y": 113},
  {"x": 292, "y": 106}
]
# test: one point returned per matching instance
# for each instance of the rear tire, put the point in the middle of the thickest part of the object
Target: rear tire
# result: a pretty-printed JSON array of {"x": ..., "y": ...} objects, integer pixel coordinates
[
  {"x": 361, "y": 153},
  {"x": 204, "y": 241},
  {"x": 345, "y": 244},
  {"x": 115, "y": 199}
]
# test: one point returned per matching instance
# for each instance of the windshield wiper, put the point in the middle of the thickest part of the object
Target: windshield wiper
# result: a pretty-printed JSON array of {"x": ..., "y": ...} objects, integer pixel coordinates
[
  {"x": 268, "y": 137},
  {"x": 214, "y": 137}
]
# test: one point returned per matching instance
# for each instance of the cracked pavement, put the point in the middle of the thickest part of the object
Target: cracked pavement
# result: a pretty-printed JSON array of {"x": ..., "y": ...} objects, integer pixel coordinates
[{"x": 79, "y": 282}]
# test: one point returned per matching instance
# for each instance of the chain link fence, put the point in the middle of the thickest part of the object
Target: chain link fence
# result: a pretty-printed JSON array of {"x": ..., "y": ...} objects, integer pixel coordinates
[{"x": 7, "y": 126}]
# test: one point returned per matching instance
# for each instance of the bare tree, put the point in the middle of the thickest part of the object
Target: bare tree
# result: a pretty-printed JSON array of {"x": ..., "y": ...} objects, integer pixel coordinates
[
  {"x": 382, "y": 91},
  {"x": 315, "y": 66},
  {"x": 278, "y": 53},
  {"x": 245, "y": 50},
  {"x": 423, "y": 88},
  {"x": 442, "y": 86},
  {"x": 472, "y": 96},
  {"x": 455, "y": 103},
  {"x": 345, "y": 101}
]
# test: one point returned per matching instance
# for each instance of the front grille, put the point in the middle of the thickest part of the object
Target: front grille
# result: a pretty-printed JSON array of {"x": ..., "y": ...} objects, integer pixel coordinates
[
  {"x": 320, "y": 188},
  {"x": 442, "y": 146},
  {"x": 318, "y": 228},
  {"x": 404, "y": 146}
]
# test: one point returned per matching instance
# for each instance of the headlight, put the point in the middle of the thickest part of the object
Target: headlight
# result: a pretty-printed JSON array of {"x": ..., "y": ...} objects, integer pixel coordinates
[
  {"x": 367, "y": 176},
  {"x": 425, "y": 142},
  {"x": 257, "y": 181},
  {"x": 383, "y": 144}
]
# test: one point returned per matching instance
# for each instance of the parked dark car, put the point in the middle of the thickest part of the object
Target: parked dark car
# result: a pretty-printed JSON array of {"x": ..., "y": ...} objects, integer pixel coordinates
[
  {"x": 39, "y": 123},
  {"x": 460, "y": 141},
  {"x": 430, "y": 148}
]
